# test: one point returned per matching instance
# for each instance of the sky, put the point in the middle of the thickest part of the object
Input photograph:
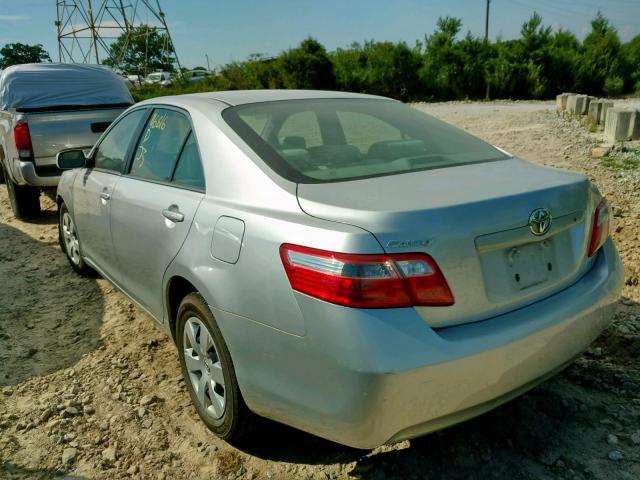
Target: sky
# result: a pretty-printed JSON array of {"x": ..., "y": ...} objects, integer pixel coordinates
[{"x": 229, "y": 30}]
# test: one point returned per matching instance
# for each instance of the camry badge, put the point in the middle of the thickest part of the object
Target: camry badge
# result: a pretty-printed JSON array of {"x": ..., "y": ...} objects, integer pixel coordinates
[
  {"x": 424, "y": 242},
  {"x": 540, "y": 221}
]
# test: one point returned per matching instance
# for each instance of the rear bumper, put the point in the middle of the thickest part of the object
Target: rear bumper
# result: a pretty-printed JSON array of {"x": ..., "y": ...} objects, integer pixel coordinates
[
  {"x": 24, "y": 173},
  {"x": 368, "y": 377}
]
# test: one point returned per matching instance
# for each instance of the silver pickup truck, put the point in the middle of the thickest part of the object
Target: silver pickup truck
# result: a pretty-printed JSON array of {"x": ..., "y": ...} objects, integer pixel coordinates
[{"x": 45, "y": 108}]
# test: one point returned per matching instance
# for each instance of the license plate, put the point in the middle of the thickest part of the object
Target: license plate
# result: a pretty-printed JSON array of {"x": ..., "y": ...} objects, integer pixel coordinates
[{"x": 530, "y": 264}]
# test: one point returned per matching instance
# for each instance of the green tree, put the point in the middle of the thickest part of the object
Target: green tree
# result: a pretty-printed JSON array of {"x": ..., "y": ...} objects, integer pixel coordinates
[
  {"x": 631, "y": 55},
  {"x": 380, "y": 68},
  {"x": 140, "y": 51},
  {"x": 307, "y": 66},
  {"x": 17, "y": 53},
  {"x": 601, "y": 56},
  {"x": 443, "y": 61}
]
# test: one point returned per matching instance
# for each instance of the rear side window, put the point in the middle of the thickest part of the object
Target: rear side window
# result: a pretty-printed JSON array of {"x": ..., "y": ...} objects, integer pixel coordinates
[
  {"x": 189, "y": 169},
  {"x": 160, "y": 144},
  {"x": 112, "y": 151}
]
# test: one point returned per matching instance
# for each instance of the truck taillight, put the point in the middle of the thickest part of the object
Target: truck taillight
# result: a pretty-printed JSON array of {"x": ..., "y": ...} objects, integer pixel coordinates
[
  {"x": 366, "y": 281},
  {"x": 22, "y": 137},
  {"x": 599, "y": 228}
]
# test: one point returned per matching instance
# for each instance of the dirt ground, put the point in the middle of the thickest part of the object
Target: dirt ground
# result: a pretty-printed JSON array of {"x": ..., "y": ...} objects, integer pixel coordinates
[{"x": 90, "y": 388}]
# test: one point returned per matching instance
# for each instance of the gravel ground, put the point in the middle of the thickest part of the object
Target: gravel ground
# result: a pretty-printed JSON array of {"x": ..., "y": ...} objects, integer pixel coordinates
[{"x": 90, "y": 388}]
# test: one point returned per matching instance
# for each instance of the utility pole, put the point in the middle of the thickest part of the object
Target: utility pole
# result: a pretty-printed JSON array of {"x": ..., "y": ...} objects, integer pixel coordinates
[
  {"x": 486, "y": 23},
  {"x": 208, "y": 66}
]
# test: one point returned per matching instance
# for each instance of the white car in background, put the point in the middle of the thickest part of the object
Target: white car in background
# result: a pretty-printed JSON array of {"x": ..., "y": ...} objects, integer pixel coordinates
[
  {"x": 160, "y": 78},
  {"x": 195, "y": 76}
]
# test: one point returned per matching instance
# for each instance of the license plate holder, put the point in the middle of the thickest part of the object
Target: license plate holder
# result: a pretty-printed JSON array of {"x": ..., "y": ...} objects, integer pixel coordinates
[{"x": 530, "y": 264}]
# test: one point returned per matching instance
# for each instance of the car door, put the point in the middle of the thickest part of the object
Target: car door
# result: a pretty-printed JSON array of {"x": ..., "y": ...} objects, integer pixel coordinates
[
  {"x": 154, "y": 203},
  {"x": 94, "y": 186}
]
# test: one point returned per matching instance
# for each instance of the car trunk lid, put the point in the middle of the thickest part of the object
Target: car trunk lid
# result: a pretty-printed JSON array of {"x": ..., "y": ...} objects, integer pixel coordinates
[{"x": 474, "y": 221}]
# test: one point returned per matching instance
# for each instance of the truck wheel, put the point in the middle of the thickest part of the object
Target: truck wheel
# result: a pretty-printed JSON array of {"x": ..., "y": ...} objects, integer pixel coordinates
[{"x": 25, "y": 201}]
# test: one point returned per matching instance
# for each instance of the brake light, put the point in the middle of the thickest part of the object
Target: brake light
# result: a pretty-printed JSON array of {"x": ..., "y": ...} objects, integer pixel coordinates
[
  {"x": 22, "y": 138},
  {"x": 599, "y": 228},
  {"x": 366, "y": 281}
]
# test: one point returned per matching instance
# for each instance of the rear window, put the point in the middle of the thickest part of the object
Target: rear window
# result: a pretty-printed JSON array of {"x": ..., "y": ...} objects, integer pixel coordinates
[{"x": 331, "y": 140}]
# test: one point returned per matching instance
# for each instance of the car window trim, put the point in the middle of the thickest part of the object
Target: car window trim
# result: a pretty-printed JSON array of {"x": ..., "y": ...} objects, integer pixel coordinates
[
  {"x": 173, "y": 174},
  {"x": 129, "y": 163},
  {"x": 143, "y": 121},
  {"x": 184, "y": 144}
]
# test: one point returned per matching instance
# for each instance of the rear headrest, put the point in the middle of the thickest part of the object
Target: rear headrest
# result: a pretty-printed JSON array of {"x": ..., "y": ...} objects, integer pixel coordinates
[{"x": 394, "y": 149}]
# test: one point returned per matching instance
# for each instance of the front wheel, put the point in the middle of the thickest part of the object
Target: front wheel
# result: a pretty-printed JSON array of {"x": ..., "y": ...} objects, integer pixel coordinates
[
  {"x": 208, "y": 370},
  {"x": 70, "y": 241}
]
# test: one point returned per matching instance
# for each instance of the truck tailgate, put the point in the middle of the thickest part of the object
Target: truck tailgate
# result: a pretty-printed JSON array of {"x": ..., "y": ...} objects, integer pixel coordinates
[{"x": 57, "y": 130}]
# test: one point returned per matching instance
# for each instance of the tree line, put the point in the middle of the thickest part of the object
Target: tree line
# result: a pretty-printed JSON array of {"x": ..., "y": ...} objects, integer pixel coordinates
[
  {"x": 443, "y": 66},
  {"x": 448, "y": 66}
]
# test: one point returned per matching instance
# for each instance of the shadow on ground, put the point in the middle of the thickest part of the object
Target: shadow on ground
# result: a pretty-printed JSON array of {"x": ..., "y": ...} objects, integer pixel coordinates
[
  {"x": 49, "y": 316},
  {"x": 11, "y": 471}
]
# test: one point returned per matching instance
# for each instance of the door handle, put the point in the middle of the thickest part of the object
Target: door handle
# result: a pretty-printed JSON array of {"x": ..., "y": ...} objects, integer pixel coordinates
[
  {"x": 105, "y": 196},
  {"x": 173, "y": 214}
]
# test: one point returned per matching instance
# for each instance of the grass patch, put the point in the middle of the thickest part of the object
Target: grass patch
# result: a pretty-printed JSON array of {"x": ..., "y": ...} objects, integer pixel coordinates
[{"x": 624, "y": 159}]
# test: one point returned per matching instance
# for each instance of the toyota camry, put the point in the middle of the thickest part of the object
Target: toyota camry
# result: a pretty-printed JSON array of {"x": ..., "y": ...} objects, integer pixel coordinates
[{"x": 341, "y": 263}]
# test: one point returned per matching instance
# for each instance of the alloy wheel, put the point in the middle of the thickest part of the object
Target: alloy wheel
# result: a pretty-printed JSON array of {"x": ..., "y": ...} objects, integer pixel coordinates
[
  {"x": 70, "y": 237},
  {"x": 204, "y": 367}
]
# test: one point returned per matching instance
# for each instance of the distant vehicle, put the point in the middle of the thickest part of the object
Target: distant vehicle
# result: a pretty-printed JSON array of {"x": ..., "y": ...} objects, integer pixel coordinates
[
  {"x": 160, "y": 78},
  {"x": 195, "y": 76},
  {"x": 341, "y": 263},
  {"x": 134, "y": 80},
  {"x": 45, "y": 108}
]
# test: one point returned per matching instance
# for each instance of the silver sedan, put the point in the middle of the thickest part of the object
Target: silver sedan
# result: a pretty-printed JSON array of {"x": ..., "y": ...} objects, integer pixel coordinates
[{"x": 340, "y": 263}]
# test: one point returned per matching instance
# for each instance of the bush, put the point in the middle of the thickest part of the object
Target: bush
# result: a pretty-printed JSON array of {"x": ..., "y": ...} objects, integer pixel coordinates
[{"x": 613, "y": 86}]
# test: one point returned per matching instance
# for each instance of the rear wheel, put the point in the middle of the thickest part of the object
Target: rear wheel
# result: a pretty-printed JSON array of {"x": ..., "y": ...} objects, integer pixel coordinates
[
  {"x": 69, "y": 240},
  {"x": 208, "y": 370},
  {"x": 25, "y": 201}
]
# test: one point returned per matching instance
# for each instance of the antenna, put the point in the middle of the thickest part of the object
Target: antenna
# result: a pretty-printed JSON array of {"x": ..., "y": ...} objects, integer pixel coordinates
[{"x": 87, "y": 28}]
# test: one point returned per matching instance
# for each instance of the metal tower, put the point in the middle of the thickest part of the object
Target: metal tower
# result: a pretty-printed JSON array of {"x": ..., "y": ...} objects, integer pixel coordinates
[{"x": 86, "y": 28}]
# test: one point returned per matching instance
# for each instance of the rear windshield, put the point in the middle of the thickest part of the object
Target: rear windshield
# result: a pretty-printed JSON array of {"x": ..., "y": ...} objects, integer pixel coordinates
[{"x": 331, "y": 140}]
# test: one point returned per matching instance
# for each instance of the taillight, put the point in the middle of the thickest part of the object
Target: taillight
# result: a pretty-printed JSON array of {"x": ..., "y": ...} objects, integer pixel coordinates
[
  {"x": 366, "y": 281},
  {"x": 23, "y": 141},
  {"x": 600, "y": 227}
]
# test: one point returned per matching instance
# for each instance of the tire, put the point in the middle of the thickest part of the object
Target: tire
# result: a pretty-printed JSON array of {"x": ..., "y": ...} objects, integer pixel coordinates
[
  {"x": 70, "y": 241},
  {"x": 25, "y": 201},
  {"x": 220, "y": 405}
]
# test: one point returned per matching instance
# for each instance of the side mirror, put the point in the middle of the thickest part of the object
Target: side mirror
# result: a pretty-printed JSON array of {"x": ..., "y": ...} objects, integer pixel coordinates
[{"x": 68, "y": 159}]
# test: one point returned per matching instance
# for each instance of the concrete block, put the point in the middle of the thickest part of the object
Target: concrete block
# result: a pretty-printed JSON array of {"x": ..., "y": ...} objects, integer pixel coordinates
[
  {"x": 582, "y": 104},
  {"x": 572, "y": 101},
  {"x": 587, "y": 102},
  {"x": 606, "y": 105},
  {"x": 561, "y": 102},
  {"x": 634, "y": 126},
  {"x": 595, "y": 110},
  {"x": 618, "y": 124}
]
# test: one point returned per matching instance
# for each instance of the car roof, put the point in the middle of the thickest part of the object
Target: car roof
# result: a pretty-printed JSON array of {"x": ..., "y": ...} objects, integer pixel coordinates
[{"x": 242, "y": 97}]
